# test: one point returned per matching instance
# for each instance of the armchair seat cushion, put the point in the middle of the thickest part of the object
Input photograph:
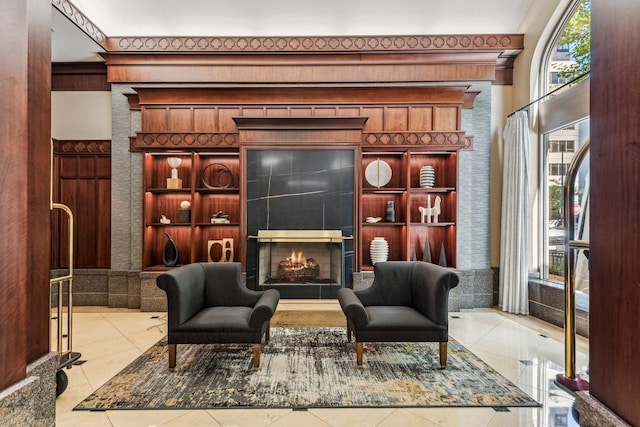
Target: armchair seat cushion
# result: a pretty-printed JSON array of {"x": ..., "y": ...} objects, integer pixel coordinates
[
  {"x": 218, "y": 319},
  {"x": 399, "y": 318}
]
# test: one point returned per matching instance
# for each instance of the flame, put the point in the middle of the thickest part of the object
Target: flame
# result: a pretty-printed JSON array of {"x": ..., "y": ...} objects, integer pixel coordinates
[{"x": 297, "y": 260}]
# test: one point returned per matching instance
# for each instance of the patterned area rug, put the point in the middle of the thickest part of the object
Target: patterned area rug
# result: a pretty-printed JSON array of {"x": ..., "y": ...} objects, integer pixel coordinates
[{"x": 303, "y": 368}]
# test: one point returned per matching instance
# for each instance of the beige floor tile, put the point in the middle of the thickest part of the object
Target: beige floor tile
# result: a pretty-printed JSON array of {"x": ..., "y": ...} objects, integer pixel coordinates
[
  {"x": 352, "y": 417},
  {"x": 518, "y": 417},
  {"x": 247, "y": 417},
  {"x": 111, "y": 346},
  {"x": 406, "y": 418},
  {"x": 82, "y": 419},
  {"x": 456, "y": 417},
  {"x": 126, "y": 418},
  {"x": 297, "y": 419}
]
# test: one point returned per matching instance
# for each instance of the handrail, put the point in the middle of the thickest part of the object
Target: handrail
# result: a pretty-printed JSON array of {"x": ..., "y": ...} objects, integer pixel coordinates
[{"x": 569, "y": 380}]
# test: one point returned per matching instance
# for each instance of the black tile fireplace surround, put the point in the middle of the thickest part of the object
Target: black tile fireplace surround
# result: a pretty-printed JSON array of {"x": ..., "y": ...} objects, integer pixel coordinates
[{"x": 300, "y": 190}]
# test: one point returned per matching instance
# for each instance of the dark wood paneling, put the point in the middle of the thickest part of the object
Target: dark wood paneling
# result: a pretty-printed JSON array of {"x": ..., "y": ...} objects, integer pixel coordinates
[
  {"x": 615, "y": 209},
  {"x": 79, "y": 76},
  {"x": 84, "y": 184},
  {"x": 13, "y": 197}
]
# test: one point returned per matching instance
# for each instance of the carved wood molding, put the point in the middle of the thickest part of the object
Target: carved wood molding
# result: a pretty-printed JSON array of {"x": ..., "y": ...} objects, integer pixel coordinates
[
  {"x": 444, "y": 139},
  {"x": 70, "y": 11},
  {"x": 92, "y": 147},
  {"x": 184, "y": 140},
  {"x": 413, "y": 43},
  {"x": 468, "y": 143}
]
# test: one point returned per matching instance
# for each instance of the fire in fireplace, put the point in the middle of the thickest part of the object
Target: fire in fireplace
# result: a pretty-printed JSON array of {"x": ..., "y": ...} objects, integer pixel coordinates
[{"x": 298, "y": 268}]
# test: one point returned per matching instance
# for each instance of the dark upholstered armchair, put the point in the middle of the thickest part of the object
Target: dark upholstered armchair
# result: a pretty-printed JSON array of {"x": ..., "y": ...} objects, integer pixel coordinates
[
  {"x": 208, "y": 304},
  {"x": 408, "y": 301}
]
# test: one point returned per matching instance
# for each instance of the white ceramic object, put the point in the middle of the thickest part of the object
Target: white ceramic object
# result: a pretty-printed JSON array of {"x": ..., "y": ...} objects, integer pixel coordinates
[
  {"x": 378, "y": 173},
  {"x": 174, "y": 164},
  {"x": 185, "y": 204},
  {"x": 379, "y": 250},
  {"x": 427, "y": 176}
]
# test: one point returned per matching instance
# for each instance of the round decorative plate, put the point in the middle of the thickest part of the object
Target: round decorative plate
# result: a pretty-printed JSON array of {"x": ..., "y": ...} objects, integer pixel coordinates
[{"x": 378, "y": 173}]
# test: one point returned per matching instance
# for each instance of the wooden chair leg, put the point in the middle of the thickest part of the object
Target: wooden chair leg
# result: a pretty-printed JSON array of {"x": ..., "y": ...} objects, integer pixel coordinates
[
  {"x": 267, "y": 334},
  {"x": 359, "y": 348},
  {"x": 172, "y": 356},
  {"x": 257, "y": 348},
  {"x": 348, "y": 332},
  {"x": 443, "y": 355}
]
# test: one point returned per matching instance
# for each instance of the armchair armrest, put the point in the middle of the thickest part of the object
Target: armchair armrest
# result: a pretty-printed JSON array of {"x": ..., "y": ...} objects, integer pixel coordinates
[
  {"x": 185, "y": 293},
  {"x": 352, "y": 306},
  {"x": 431, "y": 284},
  {"x": 264, "y": 308}
]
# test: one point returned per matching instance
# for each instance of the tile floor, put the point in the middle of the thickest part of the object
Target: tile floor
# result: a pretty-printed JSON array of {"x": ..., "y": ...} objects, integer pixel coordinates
[{"x": 527, "y": 351}]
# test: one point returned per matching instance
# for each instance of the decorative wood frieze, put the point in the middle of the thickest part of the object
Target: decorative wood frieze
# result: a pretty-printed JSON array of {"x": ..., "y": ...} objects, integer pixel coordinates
[
  {"x": 70, "y": 11},
  {"x": 184, "y": 140},
  {"x": 468, "y": 143},
  {"x": 91, "y": 147},
  {"x": 448, "y": 139},
  {"x": 305, "y": 44}
]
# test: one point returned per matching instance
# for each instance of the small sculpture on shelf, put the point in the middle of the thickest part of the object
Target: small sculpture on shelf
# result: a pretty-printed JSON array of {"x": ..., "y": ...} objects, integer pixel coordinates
[
  {"x": 164, "y": 220},
  {"x": 170, "y": 252},
  {"x": 430, "y": 213},
  {"x": 174, "y": 181},
  {"x": 184, "y": 214},
  {"x": 391, "y": 211},
  {"x": 220, "y": 218},
  {"x": 226, "y": 250}
]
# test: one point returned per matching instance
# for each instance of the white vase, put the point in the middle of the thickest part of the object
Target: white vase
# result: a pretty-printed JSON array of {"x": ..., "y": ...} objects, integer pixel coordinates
[
  {"x": 427, "y": 176},
  {"x": 379, "y": 250}
]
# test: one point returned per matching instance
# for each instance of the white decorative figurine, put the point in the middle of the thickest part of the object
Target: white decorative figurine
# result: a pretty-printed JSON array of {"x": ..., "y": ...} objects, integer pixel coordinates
[{"x": 430, "y": 212}]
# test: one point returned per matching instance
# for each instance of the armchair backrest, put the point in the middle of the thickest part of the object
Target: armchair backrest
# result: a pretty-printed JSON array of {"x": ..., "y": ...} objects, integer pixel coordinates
[
  {"x": 185, "y": 292},
  {"x": 224, "y": 287},
  {"x": 391, "y": 284}
]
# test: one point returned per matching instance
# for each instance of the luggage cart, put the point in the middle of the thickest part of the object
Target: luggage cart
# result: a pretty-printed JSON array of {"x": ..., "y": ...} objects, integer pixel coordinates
[{"x": 63, "y": 329}]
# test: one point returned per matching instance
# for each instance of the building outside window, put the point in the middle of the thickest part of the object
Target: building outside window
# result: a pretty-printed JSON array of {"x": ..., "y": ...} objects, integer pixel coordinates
[{"x": 567, "y": 58}]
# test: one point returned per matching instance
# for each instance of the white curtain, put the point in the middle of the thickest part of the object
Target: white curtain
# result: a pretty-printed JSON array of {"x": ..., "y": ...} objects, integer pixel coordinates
[{"x": 514, "y": 241}]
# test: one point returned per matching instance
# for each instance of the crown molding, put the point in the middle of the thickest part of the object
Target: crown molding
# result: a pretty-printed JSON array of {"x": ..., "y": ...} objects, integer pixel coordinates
[
  {"x": 85, "y": 24},
  {"x": 323, "y": 44}
]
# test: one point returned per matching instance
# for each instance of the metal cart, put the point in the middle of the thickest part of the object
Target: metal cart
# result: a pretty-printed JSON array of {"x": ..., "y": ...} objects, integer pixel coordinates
[{"x": 64, "y": 330}]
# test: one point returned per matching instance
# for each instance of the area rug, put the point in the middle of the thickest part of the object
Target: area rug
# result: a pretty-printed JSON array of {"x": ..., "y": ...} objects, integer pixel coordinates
[{"x": 306, "y": 368}]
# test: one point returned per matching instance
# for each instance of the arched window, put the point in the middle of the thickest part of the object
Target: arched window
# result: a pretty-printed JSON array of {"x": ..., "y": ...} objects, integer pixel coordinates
[{"x": 563, "y": 120}]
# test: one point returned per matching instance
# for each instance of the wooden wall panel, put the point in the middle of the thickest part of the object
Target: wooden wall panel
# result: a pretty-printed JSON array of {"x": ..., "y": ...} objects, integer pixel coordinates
[
  {"x": 180, "y": 119},
  {"x": 325, "y": 111},
  {"x": 445, "y": 118},
  {"x": 396, "y": 119},
  {"x": 155, "y": 119},
  {"x": 277, "y": 112},
  {"x": 253, "y": 112},
  {"x": 614, "y": 338},
  {"x": 225, "y": 119},
  {"x": 376, "y": 118},
  {"x": 204, "y": 119},
  {"x": 421, "y": 118}
]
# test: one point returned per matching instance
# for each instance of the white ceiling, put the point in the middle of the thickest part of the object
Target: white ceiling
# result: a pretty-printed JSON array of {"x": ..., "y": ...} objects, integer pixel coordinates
[{"x": 282, "y": 18}]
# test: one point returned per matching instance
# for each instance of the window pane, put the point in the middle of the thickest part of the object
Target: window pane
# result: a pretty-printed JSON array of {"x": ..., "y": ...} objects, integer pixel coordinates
[{"x": 560, "y": 152}]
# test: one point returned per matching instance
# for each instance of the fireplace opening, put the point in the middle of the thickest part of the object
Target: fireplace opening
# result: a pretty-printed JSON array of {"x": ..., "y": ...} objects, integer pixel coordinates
[{"x": 300, "y": 257}]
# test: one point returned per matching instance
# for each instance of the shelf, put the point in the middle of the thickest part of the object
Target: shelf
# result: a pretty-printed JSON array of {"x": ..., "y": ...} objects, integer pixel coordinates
[
  {"x": 383, "y": 224},
  {"x": 173, "y": 224},
  {"x": 168, "y": 190},
  {"x": 208, "y": 224},
  {"x": 433, "y": 224},
  {"x": 384, "y": 190},
  {"x": 432, "y": 190},
  {"x": 204, "y": 190}
]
